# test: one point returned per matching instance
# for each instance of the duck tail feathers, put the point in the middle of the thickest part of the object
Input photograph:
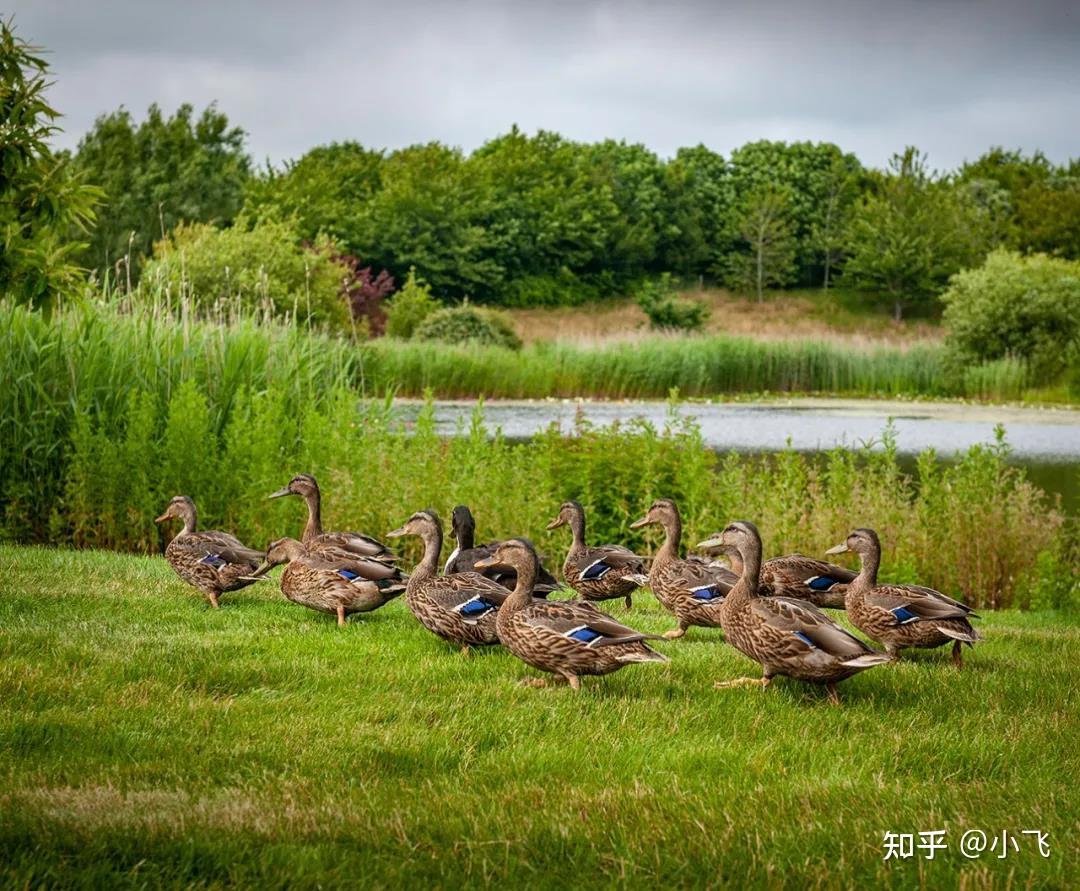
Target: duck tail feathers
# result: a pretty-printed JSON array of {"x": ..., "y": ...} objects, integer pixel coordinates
[{"x": 868, "y": 660}]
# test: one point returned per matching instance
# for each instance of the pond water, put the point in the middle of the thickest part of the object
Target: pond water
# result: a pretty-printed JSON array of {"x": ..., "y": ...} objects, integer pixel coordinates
[{"x": 1045, "y": 441}]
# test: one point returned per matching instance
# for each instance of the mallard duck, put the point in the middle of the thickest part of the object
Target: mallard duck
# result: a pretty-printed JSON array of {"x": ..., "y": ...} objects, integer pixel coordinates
[
  {"x": 459, "y": 608},
  {"x": 786, "y": 636},
  {"x": 304, "y": 485},
  {"x": 815, "y": 581},
  {"x": 463, "y": 558},
  {"x": 213, "y": 562},
  {"x": 692, "y": 589},
  {"x": 600, "y": 572},
  {"x": 568, "y": 638},
  {"x": 902, "y": 616},
  {"x": 339, "y": 585}
]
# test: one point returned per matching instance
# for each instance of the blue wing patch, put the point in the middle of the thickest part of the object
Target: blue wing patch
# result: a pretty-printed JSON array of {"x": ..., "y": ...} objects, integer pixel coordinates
[
  {"x": 707, "y": 593},
  {"x": 213, "y": 560},
  {"x": 821, "y": 582},
  {"x": 348, "y": 574},
  {"x": 584, "y": 633},
  {"x": 903, "y": 615},
  {"x": 805, "y": 639},
  {"x": 475, "y": 608},
  {"x": 595, "y": 570}
]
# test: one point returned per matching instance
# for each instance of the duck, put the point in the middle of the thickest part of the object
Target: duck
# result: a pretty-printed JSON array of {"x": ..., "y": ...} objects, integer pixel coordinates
[
  {"x": 794, "y": 575},
  {"x": 332, "y": 584},
  {"x": 459, "y": 608},
  {"x": 566, "y": 638},
  {"x": 784, "y": 635},
  {"x": 214, "y": 562},
  {"x": 315, "y": 539},
  {"x": 902, "y": 616},
  {"x": 465, "y": 555},
  {"x": 691, "y": 589},
  {"x": 600, "y": 572}
]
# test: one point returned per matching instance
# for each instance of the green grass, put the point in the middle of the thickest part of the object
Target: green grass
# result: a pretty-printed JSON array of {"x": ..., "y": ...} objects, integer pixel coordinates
[{"x": 147, "y": 741}]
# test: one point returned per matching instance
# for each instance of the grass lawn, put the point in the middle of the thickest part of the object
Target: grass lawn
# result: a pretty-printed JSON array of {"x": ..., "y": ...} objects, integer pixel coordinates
[{"x": 146, "y": 740}]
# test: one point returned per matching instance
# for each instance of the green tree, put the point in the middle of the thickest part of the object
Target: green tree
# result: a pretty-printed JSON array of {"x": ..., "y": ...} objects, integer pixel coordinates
[
  {"x": 42, "y": 202},
  {"x": 157, "y": 174},
  {"x": 698, "y": 200},
  {"x": 911, "y": 232},
  {"x": 838, "y": 186},
  {"x": 765, "y": 254}
]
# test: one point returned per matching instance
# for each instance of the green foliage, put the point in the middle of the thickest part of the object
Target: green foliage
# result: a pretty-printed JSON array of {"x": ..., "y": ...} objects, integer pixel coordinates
[
  {"x": 1016, "y": 307},
  {"x": 468, "y": 324},
  {"x": 259, "y": 265},
  {"x": 44, "y": 206},
  {"x": 410, "y": 306},
  {"x": 657, "y": 299},
  {"x": 158, "y": 174},
  {"x": 911, "y": 233},
  {"x": 764, "y": 253}
]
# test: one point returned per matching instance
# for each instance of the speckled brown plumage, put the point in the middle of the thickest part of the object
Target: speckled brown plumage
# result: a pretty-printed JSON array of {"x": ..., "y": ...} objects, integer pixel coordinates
[
  {"x": 785, "y": 636},
  {"x": 458, "y": 608},
  {"x": 902, "y": 616},
  {"x": 339, "y": 584},
  {"x": 468, "y": 553},
  {"x": 600, "y": 572},
  {"x": 565, "y": 638},
  {"x": 314, "y": 538},
  {"x": 213, "y": 562},
  {"x": 691, "y": 589}
]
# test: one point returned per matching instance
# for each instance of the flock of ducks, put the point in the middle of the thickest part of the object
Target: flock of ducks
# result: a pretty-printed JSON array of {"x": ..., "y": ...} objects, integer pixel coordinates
[{"x": 771, "y": 611}]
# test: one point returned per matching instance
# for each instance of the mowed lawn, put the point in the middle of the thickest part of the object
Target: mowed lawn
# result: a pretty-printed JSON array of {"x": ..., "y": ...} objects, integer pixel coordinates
[{"x": 147, "y": 740}]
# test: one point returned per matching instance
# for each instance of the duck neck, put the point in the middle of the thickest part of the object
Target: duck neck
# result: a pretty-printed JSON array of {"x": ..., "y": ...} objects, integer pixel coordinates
[
  {"x": 521, "y": 596},
  {"x": 190, "y": 517},
  {"x": 427, "y": 567},
  {"x": 669, "y": 550},
  {"x": 870, "y": 561},
  {"x": 750, "y": 578},
  {"x": 577, "y": 532},
  {"x": 466, "y": 536},
  {"x": 314, "y": 517}
]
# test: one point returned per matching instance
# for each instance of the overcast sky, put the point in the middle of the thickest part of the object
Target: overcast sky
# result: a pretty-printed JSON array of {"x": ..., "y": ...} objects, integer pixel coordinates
[{"x": 950, "y": 77}]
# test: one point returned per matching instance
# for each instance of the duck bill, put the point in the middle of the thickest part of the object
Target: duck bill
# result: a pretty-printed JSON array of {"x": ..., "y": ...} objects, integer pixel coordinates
[
  {"x": 259, "y": 574},
  {"x": 711, "y": 544},
  {"x": 280, "y": 493},
  {"x": 396, "y": 533},
  {"x": 637, "y": 524},
  {"x": 556, "y": 523},
  {"x": 486, "y": 563},
  {"x": 162, "y": 518},
  {"x": 839, "y": 549}
]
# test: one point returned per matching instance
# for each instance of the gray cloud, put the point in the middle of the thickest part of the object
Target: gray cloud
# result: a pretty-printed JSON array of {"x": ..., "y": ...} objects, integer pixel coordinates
[{"x": 951, "y": 77}]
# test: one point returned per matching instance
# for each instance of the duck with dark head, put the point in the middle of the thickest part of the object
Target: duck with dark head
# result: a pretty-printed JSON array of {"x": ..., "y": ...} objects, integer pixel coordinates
[
  {"x": 467, "y": 552},
  {"x": 902, "y": 616},
  {"x": 213, "y": 562},
  {"x": 567, "y": 638},
  {"x": 785, "y": 636}
]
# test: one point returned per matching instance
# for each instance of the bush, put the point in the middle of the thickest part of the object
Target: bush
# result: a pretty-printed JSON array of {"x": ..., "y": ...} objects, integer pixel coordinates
[
  {"x": 409, "y": 307},
  {"x": 257, "y": 266},
  {"x": 1015, "y": 306},
  {"x": 469, "y": 324},
  {"x": 657, "y": 300}
]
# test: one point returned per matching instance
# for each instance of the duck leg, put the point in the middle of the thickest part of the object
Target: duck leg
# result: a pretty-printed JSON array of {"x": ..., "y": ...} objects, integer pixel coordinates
[
  {"x": 834, "y": 696},
  {"x": 214, "y": 600},
  {"x": 533, "y": 682},
  {"x": 341, "y": 616},
  {"x": 629, "y": 601},
  {"x": 957, "y": 654},
  {"x": 466, "y": 650},
  {"x": 762, "y": 682},
  {"x": 675, "y": 633},
  {"x": 573, "y": 680}
]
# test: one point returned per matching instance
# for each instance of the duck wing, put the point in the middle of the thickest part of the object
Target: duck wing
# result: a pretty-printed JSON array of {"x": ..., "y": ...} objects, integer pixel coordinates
[
  {"x": 353, "y": 542},
  {"x": 220, "y": 548},
  {"x": 818, "y": 575},
  {"x": 803, "y": 625},
  {"x": 913, "y": 603},
  {"x": 706, "y": 582},
  {"x": 581, "y": 621}
]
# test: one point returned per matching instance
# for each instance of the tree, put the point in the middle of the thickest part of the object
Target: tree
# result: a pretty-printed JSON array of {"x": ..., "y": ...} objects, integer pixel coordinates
[
  {"x": 42, "y": 201},
  {"x": 157, "y": 174},
  {"x": 838, "y": 188},
  {"x": 911, "y": 232},
  {"x": 697, "y": 201},
  {"x": 765, "y": 254}
]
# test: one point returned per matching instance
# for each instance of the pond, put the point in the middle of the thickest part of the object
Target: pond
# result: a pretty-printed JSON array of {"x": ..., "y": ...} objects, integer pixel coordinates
[{"x": 1044, "y": 441}]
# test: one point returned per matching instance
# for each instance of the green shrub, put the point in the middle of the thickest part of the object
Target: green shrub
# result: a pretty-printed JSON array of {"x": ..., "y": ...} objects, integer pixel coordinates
[
  {"x": 657, "y": 299},
  {"x": 255, "y": 266},
  {"x": 469, "y": 324},
  {"x": 1013, "y": 306},
  {"x": 410, "y": 306}
]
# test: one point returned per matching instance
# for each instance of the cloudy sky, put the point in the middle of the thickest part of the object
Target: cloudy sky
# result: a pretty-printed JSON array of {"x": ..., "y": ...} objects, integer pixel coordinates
[{"x": 950, "y": 77}]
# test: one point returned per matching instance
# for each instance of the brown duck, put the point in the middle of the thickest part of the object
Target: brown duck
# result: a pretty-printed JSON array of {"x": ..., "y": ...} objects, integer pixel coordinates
[
  {"x": 815, "y": 581},
  {"x": 213, "y": 562},
  {"x": 568, "y": 638},
  {"x": 692, "y": 589},
  {"x": 332, "y": 584},
  {"x": 786, "y": 636},
  {"x": 902, "y": 616},
  {"x": 314, "y": 538},
  {"x": 459, "y": 608},
  {"x": 464, "y": 557},
  {"x": 600, "y": 572}
]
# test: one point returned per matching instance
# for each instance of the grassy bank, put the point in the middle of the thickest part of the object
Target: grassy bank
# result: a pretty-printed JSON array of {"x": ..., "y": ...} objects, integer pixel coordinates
[{"x": 148, "y": 741}]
